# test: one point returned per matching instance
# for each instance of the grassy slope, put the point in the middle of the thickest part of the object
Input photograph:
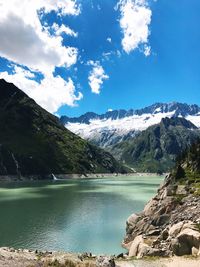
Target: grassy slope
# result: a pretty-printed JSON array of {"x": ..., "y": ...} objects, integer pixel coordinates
[{"x": 38, "y": 142}]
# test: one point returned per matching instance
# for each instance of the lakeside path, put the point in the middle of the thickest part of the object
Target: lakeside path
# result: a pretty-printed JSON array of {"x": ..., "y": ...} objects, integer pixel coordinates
[{"x": 26, "y": 258}]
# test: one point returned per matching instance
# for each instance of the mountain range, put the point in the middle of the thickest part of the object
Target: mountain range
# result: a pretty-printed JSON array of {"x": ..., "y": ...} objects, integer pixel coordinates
[
  {"x": 34, "y": 142},
  {"x": 143, "y": 139},
  {"x": 156, "y": 148},
  {"x": 118, "y": 125}
]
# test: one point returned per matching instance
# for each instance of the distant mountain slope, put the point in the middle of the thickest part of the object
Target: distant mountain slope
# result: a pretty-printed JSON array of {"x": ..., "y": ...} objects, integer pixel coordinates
[
  {"x": 156, "y": 148},
  {"x": 119, "y": 125},
  {"x": 34, "y": 142}
]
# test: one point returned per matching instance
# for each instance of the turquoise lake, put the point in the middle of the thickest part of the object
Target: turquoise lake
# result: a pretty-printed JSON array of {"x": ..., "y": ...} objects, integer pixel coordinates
[{"x": 72, "y": 215}]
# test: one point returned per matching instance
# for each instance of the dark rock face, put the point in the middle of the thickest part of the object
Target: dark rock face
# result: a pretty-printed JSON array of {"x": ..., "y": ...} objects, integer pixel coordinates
[
  {"x": 34, "y": 142},
  {"x": 170, "y": 222},
  {"x": 155, "y": 149}
]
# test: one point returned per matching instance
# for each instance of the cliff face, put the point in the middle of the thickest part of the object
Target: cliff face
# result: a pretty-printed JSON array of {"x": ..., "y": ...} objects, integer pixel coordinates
[
  {"x": 170, "y": 222},
  {"x": 34, "y": 142}
]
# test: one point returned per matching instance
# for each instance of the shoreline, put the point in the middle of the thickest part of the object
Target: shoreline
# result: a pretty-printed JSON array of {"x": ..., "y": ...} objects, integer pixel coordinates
[
  {"x": 11, "y": 257},
  {"x": 60, "y": 177}
]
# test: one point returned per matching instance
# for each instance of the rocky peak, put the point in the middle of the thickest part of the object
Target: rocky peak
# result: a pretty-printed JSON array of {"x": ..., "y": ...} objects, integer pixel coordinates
[{"x": 179, "y": 109}]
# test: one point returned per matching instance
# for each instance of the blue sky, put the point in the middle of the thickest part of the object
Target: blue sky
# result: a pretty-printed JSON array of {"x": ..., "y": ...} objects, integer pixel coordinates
[{"x": 73, "y": 57}]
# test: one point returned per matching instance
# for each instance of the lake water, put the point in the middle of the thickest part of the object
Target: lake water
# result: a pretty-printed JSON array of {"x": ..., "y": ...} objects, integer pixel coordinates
[{"x": 73, "y": 215}]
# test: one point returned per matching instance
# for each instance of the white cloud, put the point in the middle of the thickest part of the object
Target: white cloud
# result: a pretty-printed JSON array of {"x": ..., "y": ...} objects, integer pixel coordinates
[
  {"x": 96, "y": 76},
  {"x": 134, "y": 22},
  {"x": 109, "y": 40},
  {"x": 107, "y": 55},
  {"x": 51, "y": 93},
  {"x": 64, "y": 29},
  {"x": 25, "y": 41},
  {"x": 147, "y": 50},
  {"x": 110, "y": 110},
  {"x": 22, "y": 35}
]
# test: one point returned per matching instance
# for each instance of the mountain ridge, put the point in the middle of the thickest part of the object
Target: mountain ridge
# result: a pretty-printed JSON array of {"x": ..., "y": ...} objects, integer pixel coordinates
[
  {"x": 113, "y": 127},
  {"x": 156, "y": 148},
  {"x": 34, "y": 142},
  {"x": 181, "y": 109}
]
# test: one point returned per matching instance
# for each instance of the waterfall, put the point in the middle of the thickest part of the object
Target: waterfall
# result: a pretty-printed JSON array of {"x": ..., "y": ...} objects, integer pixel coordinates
[
  {"x": 54, "y": 177},
  {"x": 16, "y": 164}
]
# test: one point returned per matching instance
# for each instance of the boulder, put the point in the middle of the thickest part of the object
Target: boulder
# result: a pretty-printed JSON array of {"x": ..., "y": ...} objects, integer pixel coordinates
[
  {"x": 185, "y": 241},
  {"x": 132, "y": 219},
  {"x": 176, "y": 229},
  {"x": 143, "y": 250},
  {"x": 133, "y": 251}
]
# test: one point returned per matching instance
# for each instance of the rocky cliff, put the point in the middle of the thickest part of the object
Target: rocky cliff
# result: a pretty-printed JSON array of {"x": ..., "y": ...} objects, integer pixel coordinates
[
  {"x": 34, "y": 142},
  {"x": 170, "y": 222}
]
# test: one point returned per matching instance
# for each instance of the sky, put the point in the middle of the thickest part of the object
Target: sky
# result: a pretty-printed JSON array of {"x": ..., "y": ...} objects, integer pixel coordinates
[{"x": 72, "y": 56}]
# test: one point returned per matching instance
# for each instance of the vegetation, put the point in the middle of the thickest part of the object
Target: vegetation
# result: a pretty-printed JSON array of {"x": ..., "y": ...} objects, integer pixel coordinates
[
  {"x": 34, "y": 142},
  {"x": 156, "y": 149}
]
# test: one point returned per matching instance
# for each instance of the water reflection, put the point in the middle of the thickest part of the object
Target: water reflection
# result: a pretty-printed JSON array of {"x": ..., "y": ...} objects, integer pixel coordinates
[{"x": 73, "y": 215}]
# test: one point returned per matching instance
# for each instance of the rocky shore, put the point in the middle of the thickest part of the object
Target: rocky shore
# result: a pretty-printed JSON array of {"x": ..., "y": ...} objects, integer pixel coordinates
[
  {"x": 170, "y": 222},
  {"x": 10, "y": 257}
]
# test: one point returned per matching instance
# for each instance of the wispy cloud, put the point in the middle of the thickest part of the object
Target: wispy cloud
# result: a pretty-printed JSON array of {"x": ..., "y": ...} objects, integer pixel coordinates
[{"x": 63, "y": 29}]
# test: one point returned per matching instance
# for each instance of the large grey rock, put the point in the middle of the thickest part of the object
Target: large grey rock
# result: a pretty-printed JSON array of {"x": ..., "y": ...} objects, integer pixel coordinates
[{"x": 185, "y": 241}]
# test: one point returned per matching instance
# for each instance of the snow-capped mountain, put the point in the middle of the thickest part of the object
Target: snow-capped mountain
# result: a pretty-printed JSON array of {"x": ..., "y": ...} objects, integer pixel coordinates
[{"x": 118, "y": 125}]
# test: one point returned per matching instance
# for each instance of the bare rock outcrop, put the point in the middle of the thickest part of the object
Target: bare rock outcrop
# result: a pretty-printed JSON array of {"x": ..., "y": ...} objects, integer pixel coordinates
[{"x": 168, "y": 225}]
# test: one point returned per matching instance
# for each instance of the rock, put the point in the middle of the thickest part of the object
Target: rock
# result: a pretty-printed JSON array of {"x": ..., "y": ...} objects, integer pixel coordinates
[
  {"x": 181, "y": 190},
  {"x": 165, "y": 234},
  {"x": 133, "y": 251},
  {"x": 195, "y": 251},
  {"x": 180, "y": 249},
  {"x": 153, "y": 252},
  {"x": 189, "y": 225},
  {"x": 170, "y": 190},
  {"x": 154, "y": 232},
  {"x": 143, "y": 250},
  {"x": 161, "y": 220},
  {"x": 132, "y": 219},
  {"x": 121, "y": 255},
  {"x": 103, "y": 261},
  {"x": 150, "y": 207},
  {"x": 175, "y": 229},
  {"x": 185, "y": 241}
]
